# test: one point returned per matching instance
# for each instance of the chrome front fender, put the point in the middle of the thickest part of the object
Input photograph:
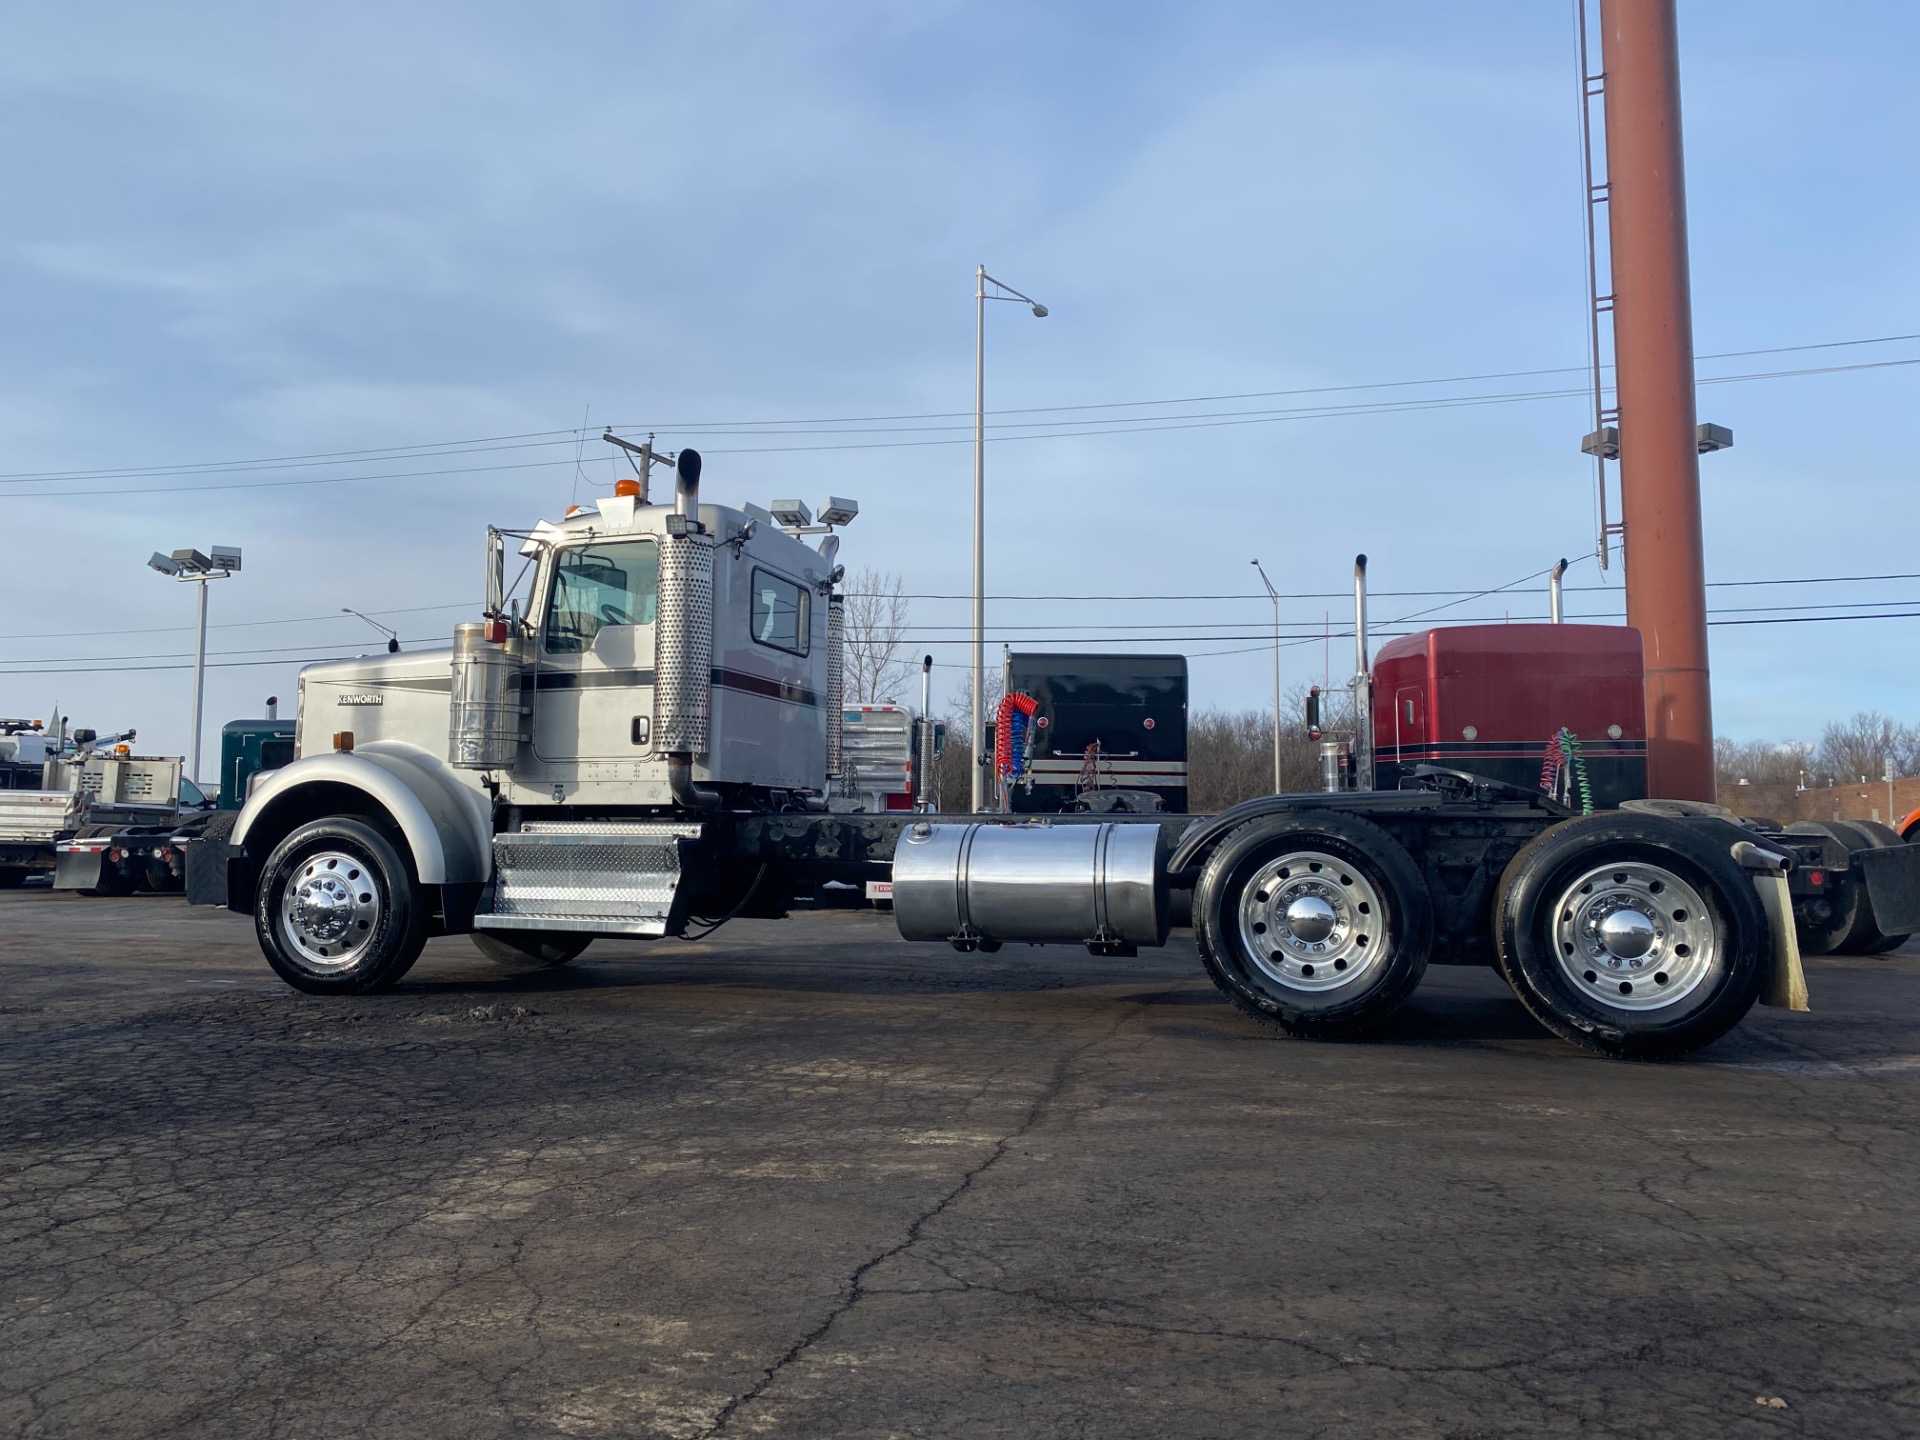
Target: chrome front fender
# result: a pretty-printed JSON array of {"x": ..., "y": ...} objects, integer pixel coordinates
[{"x": 447, "y": 824}]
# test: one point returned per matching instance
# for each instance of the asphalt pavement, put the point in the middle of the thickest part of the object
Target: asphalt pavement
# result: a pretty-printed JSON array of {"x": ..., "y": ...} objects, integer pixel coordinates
[{"x": 806, "y": 1180}]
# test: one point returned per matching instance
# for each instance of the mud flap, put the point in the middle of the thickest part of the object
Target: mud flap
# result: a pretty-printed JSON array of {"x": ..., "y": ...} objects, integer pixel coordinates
[
  {"x": 1786, "y": 983},
  {"x": 1892, "y": 878}
]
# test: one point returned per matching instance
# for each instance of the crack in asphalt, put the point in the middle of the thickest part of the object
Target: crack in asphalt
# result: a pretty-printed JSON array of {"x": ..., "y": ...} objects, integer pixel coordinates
[{"x": 855, "y": 1288}]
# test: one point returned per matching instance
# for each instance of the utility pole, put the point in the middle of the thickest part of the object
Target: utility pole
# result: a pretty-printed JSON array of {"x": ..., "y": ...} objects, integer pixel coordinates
[{"x": 1653, "y": 350}]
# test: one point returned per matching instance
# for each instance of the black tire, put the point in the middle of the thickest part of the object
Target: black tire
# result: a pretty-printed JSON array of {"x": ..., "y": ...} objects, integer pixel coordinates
[
  {"x": 529, "y": 949},
  {"x": 1849, "y": 929},
  {"x": 1826, "y": 935},
  {"x": 1868, "y": 938},
  {"x": 115, "y": 883},
  {"x": 357, "y": 921},
  {"x": 1273, "y": 875},
  {"x": 1712, "y": 948},
  {"x": 12, "y": 877}
]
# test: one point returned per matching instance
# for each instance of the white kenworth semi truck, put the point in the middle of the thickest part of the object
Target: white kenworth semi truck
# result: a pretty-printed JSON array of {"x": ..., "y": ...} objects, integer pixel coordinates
[{"x": 647, "y": 745}]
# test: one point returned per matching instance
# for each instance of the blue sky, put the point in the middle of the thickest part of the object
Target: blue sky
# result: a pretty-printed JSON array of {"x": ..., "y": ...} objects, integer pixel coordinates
[{"x": 239, "y": 232}]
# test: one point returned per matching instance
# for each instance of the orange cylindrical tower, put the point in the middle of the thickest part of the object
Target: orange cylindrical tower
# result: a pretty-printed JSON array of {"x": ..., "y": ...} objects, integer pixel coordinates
[{"x": 1653, "y": 348}]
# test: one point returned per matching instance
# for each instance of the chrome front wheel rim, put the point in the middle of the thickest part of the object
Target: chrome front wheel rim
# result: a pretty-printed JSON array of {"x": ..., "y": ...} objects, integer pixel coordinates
[
  {"x": 330, "y": 911},
  {"x": 1313, "y": 922},
  {"x": 1634, "y": 936}
]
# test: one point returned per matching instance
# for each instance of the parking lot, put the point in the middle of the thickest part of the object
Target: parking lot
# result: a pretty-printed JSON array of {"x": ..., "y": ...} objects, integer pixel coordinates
[{"x": 804, "y": 1179}]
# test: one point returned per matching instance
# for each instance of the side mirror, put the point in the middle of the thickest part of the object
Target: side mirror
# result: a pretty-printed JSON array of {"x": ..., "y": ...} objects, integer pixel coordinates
[
  {"x": 496, "y": 572},
  {"x": 939, "y": 738},
  {"x": 1313, "y": 713}
]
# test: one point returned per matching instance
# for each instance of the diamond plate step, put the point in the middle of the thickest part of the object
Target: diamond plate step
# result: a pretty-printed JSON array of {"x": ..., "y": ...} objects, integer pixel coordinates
[{"x": 604, "y": 877}]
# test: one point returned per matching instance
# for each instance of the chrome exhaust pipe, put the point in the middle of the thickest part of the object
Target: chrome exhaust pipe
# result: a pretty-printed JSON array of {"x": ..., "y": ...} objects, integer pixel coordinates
[
  {"x": 1553, "y": 591},
  {"x": 1362, "y": 682},
  {"x": 686, "y": 484}
]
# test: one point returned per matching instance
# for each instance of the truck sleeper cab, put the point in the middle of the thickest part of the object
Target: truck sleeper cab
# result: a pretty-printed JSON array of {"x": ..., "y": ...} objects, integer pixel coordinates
[{"x": 562, "y": 773}]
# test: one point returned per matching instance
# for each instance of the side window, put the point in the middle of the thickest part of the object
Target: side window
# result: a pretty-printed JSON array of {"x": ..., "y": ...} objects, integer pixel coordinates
[
  {"x": 617, "y": 583},
  {"x": 780, "y": 614}
]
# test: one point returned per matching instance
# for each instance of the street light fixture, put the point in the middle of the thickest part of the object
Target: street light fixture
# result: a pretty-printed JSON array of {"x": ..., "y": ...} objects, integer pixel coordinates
[
  {"x": 1274, "y": 595},
  {"x": 194, "y": 567},
  {"x": 980, "y": 297},
  {"x": 393, "y": 636}
]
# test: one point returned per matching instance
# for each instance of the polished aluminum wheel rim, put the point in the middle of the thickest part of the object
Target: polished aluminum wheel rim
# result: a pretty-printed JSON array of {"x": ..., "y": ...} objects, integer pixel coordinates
[
  {"x": 1633, "y": 936},
  {"x": 329, "y": 911},
  {"x": 1313, "y": 922}
]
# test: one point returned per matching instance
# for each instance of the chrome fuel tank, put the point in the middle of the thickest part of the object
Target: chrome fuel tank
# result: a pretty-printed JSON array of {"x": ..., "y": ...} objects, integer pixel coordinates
[{"x": 1035, "y": 882}]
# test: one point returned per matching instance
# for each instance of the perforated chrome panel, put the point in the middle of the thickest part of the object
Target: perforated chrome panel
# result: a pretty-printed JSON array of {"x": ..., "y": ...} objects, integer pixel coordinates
[
  {"x": 606, "y": 876},
  {"x": 683, "y": 647},
  {"x": 836, "y": 678}
]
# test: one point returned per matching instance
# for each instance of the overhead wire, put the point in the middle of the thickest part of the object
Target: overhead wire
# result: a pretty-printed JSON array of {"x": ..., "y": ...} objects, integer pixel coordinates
[
  {"x": 97, "y": 664},
  {"x": 1003, "y": 427},
  {"x": 336, "y": 618}
]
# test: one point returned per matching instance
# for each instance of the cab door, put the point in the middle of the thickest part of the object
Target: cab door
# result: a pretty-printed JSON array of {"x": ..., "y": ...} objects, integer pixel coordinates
[{"x": 593, "y": 684}]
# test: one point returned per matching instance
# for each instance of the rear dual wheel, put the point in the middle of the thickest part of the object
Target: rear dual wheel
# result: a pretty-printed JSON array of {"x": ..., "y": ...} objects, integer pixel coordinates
[
  {"x": 1317, "y": 923},
  {"x": 1631, "y": 935},
  {"x": 1849, "y": 928}
]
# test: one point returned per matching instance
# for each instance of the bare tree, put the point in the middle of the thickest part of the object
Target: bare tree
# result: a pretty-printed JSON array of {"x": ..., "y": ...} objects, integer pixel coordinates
[
  {"x": 1761, "y": 762},
  {"x": 960, "y": 711},
  {"x": 1860, "y": 746},
  {"x": 953, "y": 772},
  {"x": 1230, "y": 752},
  {"x": 876, "y": 636}
]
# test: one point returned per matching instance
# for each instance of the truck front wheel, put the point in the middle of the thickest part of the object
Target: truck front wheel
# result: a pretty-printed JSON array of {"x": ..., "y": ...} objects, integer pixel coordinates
[
  {"x": 529, "y": 949},
  {"x": 1317, "y": 923},
  {"x": 338, "y": 911},
  {"x": 1633, "y": 936}
]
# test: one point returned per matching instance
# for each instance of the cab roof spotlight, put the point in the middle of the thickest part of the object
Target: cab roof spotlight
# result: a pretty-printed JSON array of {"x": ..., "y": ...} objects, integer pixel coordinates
[
  {"x": 835, "y": 510},
  {"x": 791, "y": 514}
]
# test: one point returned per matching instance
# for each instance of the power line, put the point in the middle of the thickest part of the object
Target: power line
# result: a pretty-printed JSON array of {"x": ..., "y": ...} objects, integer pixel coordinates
[
  {"x": 1057, "y": 429},
  {"x": 535, "y": 438},
  {"x": 1065, "y": 599},
  {"x": 1264, "y": 640}
]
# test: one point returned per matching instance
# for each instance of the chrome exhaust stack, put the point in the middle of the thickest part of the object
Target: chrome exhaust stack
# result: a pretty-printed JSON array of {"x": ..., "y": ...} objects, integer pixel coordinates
[
  {"x": 683, "y": 640},
  {"x": 1362, "y": 682}
]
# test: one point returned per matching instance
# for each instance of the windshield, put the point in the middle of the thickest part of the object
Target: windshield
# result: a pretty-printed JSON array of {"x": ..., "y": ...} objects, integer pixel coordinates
[
  {"x": 190, "y": 793},
  {"x": 616, "y": 583}
]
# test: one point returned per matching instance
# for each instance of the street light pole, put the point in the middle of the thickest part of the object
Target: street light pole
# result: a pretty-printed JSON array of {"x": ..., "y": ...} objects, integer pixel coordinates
[
  {"x": 199, "y": 681},
  {"x": 980, "y": 297},
  {"x": 193, "y": 567},
  {"x": 1274, "y": 595}
]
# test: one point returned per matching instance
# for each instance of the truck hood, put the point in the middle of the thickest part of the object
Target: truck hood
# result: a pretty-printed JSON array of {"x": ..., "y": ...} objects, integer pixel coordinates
[{"x": 404, "y": 670}]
